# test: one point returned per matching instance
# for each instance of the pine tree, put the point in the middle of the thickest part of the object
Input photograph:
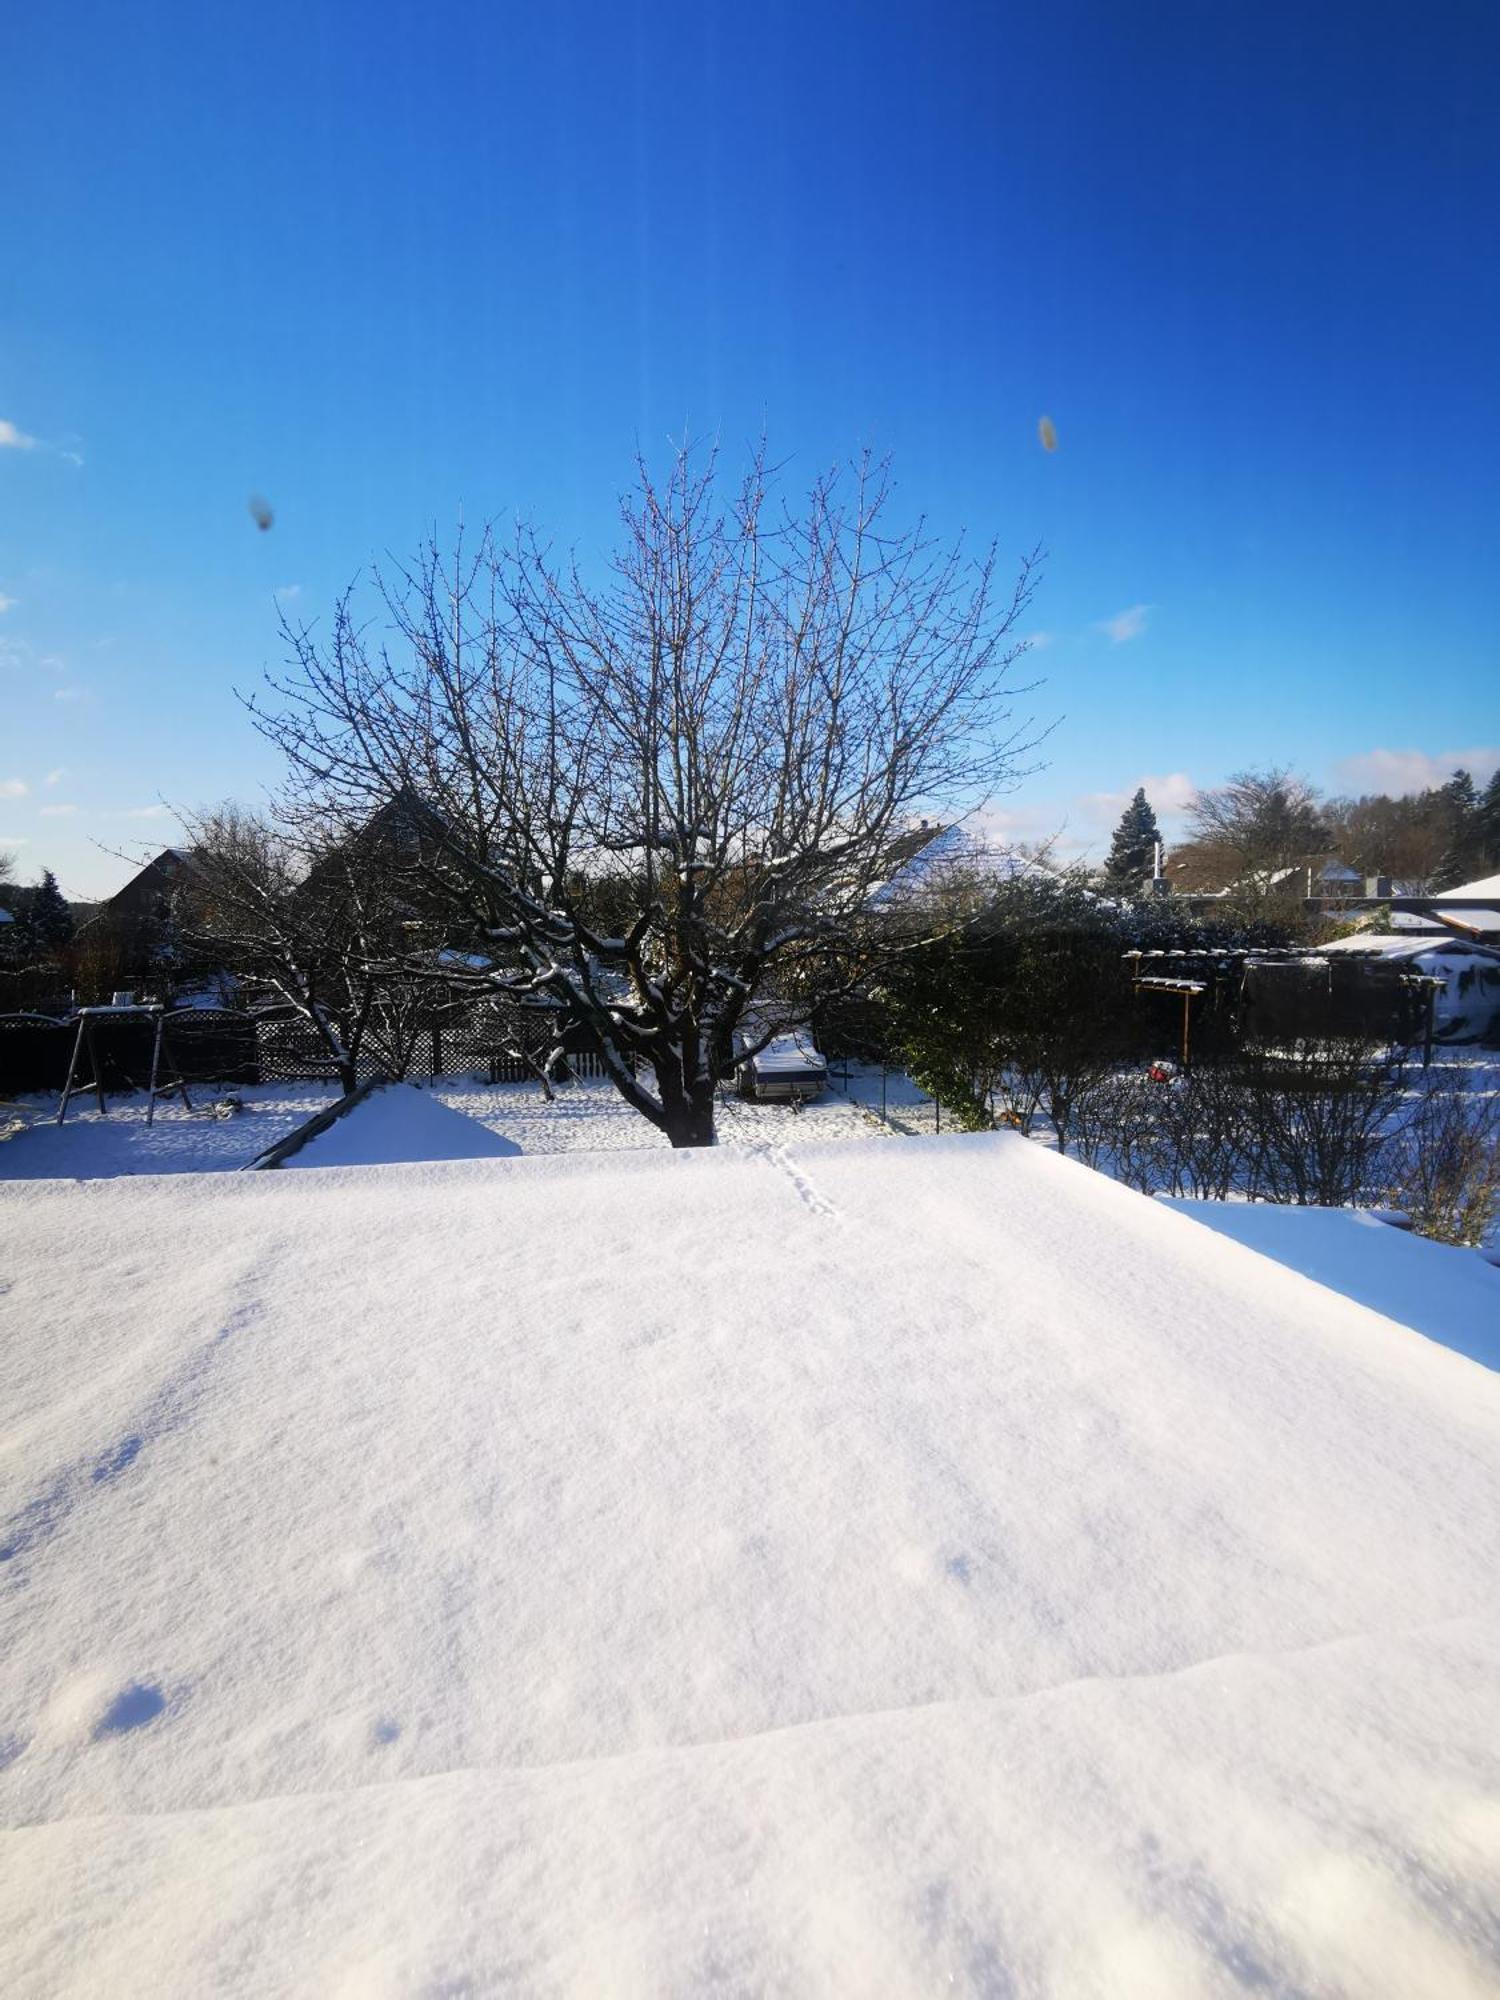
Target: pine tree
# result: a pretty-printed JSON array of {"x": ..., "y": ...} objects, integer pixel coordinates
[
  {"x": 1132, "y": 854},
  {"x": 49, "y": 919},
  {"x": 1462, "y": 854},
  {"x": 1489, "y": 827}
]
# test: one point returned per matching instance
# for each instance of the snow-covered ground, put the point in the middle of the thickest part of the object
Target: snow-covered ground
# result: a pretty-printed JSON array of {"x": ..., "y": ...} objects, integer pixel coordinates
[
  {"x": 90, "y": 1147},
  {"x": 846, "y": 1568},
  {"x": 590, "y": 1117}
]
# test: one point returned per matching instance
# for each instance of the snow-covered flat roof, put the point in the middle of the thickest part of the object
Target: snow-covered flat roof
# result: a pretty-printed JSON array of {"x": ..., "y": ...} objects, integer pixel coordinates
[
  {"x": 795, "y": 1053},
  {"x": 862, "y": 1568},
  {"x": 1386, "y": 944}
]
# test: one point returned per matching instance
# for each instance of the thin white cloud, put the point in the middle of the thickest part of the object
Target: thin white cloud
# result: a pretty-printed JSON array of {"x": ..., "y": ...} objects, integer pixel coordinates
[
  {"x": 288, "y": 593},
  {"x": 147, "y": 812},
  {"x": 13, "y": 438},
  {"x": 55, "y": 777},
  {"x": 57, "y": 812},
  {"x": 1040, "y": 641},
  {"x": 1127, "y": 624},
  {"x": 8, "y": 603},
  {"x": 1172, "y": 793},
  {"x": 15, "y": 840},
  {"x": 1078, "y": 828},
  {"x": 1036, "y": 824},
  {"x": 1168, "y": 795},
  {"x": 67, "y": 694},
  {"x": 1402, "y": 772},
  {"x": 13, "y": 788}
]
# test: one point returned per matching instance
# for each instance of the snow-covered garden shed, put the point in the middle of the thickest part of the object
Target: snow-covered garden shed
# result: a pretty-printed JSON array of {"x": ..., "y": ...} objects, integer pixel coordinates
[{"x": 1466, "y": 1003}]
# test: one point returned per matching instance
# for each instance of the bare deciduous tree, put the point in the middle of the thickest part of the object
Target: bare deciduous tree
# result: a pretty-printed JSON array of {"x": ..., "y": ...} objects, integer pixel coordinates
[
  {"x": 1247, "y": 833},
  {"x": 665, "y": 799},
  {"x": 317, "y": 921}
]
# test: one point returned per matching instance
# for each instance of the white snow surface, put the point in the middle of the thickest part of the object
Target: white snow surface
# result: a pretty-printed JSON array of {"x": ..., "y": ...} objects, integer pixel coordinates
[
  {"x": 856, "y": 1568},
  {"x": 1448, "y": 1294},
  {"x": 1487, "y": 887},
  {"x": 398, "y": 1124},
  {"x": 590, "y": 1117}
]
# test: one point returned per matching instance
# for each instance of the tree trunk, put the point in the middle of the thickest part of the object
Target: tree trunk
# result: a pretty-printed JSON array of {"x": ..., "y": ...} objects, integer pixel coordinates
[{"x": 687, "y": 1109}]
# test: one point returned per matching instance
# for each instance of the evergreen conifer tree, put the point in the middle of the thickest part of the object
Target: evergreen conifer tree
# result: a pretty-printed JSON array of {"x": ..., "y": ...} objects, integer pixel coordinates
[
  {"x": 49, "y": 919},
  {"x": 1462, "y": 858},
  {"x": 1489, "y": 827},
  {"x": 1132, "y": 854}
]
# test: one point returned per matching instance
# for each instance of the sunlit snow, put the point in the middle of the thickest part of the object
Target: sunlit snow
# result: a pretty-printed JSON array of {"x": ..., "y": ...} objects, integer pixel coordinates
[{"x": 845, "y": 1568}]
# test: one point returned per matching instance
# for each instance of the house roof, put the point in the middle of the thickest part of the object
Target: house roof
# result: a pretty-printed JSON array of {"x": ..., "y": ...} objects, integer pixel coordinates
[
  {"x": 920, "y": 860},
  {"x": 1329, "y": 870},
  {"x": 1452, "y": 910},
  {"x": 170, "y": 862},
  {"x": 1488, "y": 889},
  {"x": 1387, "y": 944}
]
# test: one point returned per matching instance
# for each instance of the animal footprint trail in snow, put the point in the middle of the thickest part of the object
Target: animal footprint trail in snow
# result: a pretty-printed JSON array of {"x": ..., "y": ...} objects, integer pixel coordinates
[{"x": 807, "y": 1190}]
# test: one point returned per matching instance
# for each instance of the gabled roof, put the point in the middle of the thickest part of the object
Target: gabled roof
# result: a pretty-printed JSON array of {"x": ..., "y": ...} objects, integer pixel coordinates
[
  {"x": 165, "y": 866},
  {"x": 1486, "y": 890},
  {"x": 905, "y": 848},
  {"x": 920, "y": 861}
]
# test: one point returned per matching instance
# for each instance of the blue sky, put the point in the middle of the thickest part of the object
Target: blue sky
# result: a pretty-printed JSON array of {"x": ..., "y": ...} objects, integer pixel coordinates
[{"x": 379, "y": 263}]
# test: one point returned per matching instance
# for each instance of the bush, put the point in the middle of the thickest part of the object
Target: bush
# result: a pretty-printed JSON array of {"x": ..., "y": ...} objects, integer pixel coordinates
[
  {"x": 1320, "y": 1117},
  {"x": 1310, "y": 1123},
  {"x": 1448, "y": 1180}
]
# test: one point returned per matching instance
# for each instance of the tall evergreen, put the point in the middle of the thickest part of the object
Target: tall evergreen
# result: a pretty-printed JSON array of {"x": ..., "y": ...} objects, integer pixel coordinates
[
  {"x": 1463, "y": 850},
  {"x": 49, "y": 919},
  {"x": 1489, "y": 827},
  {"x": 1132, "y": 854}
]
